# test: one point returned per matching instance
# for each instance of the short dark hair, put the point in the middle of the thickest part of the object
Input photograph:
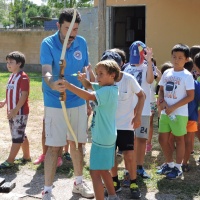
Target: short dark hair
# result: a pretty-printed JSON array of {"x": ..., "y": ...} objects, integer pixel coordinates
[
  {"x": 194, "y": 50},
  {"x": 189, "y": 65},
  {"x": 18, "y": 56},
  {"x": 67, "y": 15},
  {"x": 182, "y": 48},
  {"x": 197, "y": 60},
  {"x": 110, "y": 66},
  {"x": 153, "y": 60},
  {"x": 165, "y": 66}
]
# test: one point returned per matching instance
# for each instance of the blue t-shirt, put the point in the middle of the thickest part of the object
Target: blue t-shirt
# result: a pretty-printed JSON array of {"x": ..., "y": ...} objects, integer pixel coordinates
[
  {"x": 103, "y": 125},
  {"x": 193, "y": 105},
  {"x": 76, "y": 57}
]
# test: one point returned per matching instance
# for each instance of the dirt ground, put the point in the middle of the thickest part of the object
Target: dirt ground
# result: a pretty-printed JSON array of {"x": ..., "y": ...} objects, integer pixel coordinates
[{"x": 29, "y": 178}]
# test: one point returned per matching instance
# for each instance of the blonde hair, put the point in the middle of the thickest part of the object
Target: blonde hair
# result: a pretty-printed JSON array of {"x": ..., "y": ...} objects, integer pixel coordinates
[{"x": 110, "y": 66}]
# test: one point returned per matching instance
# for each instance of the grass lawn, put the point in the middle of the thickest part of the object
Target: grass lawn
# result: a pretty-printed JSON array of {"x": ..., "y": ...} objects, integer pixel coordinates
[
  {"x": 186, "y": 188},
  {"x": 35, "y": 85}
]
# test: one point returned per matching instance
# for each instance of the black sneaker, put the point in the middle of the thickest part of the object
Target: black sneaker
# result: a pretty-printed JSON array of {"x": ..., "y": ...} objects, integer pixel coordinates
[
  {"x": 135, "y": 192},
  {"x": 117, "y": 186}
]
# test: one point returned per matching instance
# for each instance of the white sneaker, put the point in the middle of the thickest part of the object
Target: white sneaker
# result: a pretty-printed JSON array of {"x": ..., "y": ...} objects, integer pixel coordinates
[
  {"x": 84, "y": 190},
  {"x": 47, "y": 196}
]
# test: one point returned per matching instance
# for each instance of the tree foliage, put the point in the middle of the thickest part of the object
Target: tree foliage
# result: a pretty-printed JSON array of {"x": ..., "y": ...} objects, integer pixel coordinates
[
  {"x": 19, "y": 13},
  {"x": 70, "y": 3}
]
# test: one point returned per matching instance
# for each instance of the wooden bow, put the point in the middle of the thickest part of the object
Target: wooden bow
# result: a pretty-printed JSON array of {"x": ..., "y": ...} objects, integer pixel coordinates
[{"x": 63, "y": 64}]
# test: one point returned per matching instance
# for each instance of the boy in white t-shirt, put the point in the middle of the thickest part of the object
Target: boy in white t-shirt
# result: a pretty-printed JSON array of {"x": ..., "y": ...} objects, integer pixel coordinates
[
  {"x": 176, "y": 91},
  {"x": 140, "y": 66}
]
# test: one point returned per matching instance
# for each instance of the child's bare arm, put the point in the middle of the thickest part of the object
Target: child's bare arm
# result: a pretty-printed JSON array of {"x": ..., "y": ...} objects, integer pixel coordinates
[
  {"x": 148, "y": 56},
  {"x": 138, "y": 109},
  {"x": 12, "y": 113},
  {"x": 84, "y": 94},
  {"x": 86, "y": 84},
  {"x": 2, "y": 103},
  {"x": 161, "y": 102},
  {"x": 187, "y": 99}
]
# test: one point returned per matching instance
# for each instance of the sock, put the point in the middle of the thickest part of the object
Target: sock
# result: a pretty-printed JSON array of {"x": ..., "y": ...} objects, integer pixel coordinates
[
  {"x": 171, "y": 164},
  {"x": 133, "y": 181},
  {"x": 112, "y": 197},
  {"x": 78, "y": 179},
  {"x": 115, "y": 179},
  {"x": 178, "y": 166},
  {"x": 139, "y": 167},
  {"x": 48, "y": 189}
]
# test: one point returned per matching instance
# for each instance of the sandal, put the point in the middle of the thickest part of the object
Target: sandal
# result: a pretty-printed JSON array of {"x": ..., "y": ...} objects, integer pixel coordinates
[
  {"x": 6, "y": 165},
  {"x": 185, "y": 168}
]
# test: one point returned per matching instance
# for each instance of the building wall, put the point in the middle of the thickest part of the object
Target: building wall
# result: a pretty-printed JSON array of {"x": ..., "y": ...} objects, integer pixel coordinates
[
  {"x": 167, "y": 22},
  {"x": 27, "y": 42}
]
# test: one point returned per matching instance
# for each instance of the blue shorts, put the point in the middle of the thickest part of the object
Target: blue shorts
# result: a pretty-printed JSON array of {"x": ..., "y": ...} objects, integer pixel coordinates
[{"x": 102, "y": 158}]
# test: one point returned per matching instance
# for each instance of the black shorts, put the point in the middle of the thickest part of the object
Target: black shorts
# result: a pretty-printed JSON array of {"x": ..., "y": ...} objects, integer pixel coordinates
[{"x": 125, "y": 140}]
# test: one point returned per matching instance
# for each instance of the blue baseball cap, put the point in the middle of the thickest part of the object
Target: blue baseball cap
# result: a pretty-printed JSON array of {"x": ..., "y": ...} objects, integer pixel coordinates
[
  {"x": 110, "y": 55},
  {"x": 136, "y": 51}
]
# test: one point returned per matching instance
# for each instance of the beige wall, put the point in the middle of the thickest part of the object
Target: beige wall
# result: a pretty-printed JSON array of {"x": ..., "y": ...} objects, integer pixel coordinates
[
  {"x": 167, "y": 22},
  {"x": 27, "y": 42}
]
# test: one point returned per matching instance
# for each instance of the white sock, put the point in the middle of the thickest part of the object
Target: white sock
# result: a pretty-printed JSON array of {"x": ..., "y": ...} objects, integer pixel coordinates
[
  {"x": 78, "y": 179},
  {"x": 178, "y": 166},
  {"x": 48, "y": 189},
  {"x": 171, "y": 164}
]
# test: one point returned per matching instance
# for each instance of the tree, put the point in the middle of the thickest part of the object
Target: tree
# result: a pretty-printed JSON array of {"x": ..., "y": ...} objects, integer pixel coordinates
[{"x": 70, "y": 3}]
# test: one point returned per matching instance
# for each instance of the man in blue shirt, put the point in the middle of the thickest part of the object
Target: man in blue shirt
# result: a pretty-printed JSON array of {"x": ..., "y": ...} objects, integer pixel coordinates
[{"x": 56, "y": 128}]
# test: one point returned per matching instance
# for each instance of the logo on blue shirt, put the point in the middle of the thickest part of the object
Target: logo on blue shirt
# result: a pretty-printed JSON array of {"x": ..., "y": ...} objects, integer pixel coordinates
[{"x": 78, "y": 55}]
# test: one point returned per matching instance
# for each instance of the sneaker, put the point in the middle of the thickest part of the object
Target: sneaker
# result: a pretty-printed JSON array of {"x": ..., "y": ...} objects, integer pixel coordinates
[
  {"x": 6, "y": 165},
  {"x": 47, "y": 196},
  {"x": 125, "y": 183},
  {"x": 116, "y": 198},
  {"x": 142, "y": 173},
  {"x": 148, "y": 148},
  {"x": 117, "y": 186},
  {"x": 185, "y": 168},
  {"x": 39, "y": 160},
  {"x": 67, "y": 156},
  {"x": 164, "y": 170},
  {"x": 59, "y": 161},
  {"x": 175, "y": 173},
  {"x": 23, "y": 160},
  {"x": 83, "y": 189},
  {"x": 135, "y": 192}
]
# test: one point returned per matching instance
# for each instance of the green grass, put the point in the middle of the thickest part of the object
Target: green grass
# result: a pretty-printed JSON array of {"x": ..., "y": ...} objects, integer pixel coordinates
[{"x": 35, "y": 85}]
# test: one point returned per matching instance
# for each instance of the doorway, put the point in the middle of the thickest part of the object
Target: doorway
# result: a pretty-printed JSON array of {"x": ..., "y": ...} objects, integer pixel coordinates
[{"x": 127, "y": 25}]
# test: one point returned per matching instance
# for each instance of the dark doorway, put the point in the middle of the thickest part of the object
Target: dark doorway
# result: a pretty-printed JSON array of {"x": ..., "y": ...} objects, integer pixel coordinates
[{"x": 127, "y": 25}]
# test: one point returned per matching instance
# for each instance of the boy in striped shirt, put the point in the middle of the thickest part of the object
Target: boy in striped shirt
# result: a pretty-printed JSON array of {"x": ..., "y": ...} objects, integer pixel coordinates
[{"x": 17, "y": 93}]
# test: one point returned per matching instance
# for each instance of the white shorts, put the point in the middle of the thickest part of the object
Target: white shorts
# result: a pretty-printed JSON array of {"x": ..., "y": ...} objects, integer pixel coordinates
[
  {"x": 56, "y": 131},
  {"x": 143, "y": 130}
]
